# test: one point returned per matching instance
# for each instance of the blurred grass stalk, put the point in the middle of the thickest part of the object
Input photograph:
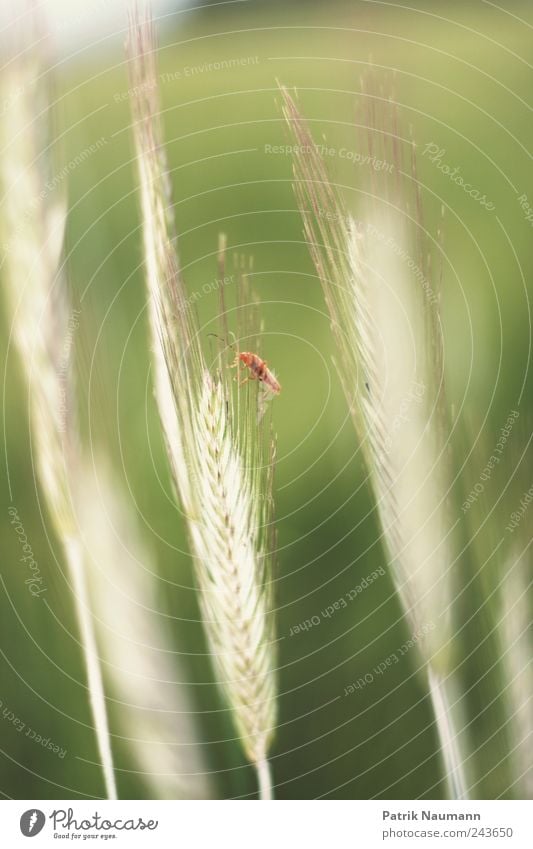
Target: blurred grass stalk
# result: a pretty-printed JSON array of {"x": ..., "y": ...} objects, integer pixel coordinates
[
  {"x": 92, "y": 516},
  {"x": 377, "y": 284},
  {"x": 515, "y": 631},
  {"x": 217, "y": 465},
  {"x": 32, "y": 224},
  {"x": 140, "y": 664}
]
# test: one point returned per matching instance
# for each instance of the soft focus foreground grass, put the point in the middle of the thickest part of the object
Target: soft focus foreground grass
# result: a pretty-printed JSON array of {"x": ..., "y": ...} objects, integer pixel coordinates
[{"x": 219, "y": 124}]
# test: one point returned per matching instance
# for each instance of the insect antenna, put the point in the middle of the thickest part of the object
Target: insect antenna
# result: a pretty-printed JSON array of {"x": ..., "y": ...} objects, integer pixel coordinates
[{"x": 232, "y": 345}]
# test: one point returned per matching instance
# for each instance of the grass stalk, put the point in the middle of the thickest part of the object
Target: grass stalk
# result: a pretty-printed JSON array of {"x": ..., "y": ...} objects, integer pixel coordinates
[
  {"x": 142, "y": 668},
  {"x": 264, "y": 779},
  {"x": 516, "y": 632},
  {"x": 444, "y": 704},
  {"x": 217, "y": 452},
  {"x": 32, "y": 224},
  {"x": 75, "y": 557},
  {"x": 371, "y": 257}
]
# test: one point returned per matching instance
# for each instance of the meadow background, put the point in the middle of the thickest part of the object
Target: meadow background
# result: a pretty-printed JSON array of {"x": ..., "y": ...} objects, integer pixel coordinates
[{"x": 463, "y": 78}]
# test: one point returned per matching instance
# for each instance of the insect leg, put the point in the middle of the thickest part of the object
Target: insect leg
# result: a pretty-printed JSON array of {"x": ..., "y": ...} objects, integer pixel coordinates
[{"x": 246, "y": 379}]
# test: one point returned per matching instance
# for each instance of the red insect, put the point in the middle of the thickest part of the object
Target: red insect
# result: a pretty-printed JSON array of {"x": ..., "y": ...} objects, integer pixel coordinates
[
  {"x": 258, "y": 370},
  {"x": 258, "y": 367}
]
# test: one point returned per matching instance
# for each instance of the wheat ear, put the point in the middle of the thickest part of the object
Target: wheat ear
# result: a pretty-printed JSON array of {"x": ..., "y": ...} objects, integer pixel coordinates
[
  {"x": 214, "y": 470},
  {"x": 32, "y": 226},
  {"x": 386, "y": 327}
]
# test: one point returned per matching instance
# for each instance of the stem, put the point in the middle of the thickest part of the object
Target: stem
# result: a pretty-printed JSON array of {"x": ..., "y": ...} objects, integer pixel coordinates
[
  {"x": 264, "y": 779},
  {"x": 92, "y": 663},
  {"x": 453, "y": 762}
]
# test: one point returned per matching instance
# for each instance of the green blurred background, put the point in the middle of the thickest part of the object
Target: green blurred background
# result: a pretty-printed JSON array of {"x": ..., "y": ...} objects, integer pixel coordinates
[{"x": 463, "y": 82}]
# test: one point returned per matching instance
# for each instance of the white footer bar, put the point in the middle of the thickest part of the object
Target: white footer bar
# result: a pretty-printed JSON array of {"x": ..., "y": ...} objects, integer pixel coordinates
[{"x": 275, "y": 825}]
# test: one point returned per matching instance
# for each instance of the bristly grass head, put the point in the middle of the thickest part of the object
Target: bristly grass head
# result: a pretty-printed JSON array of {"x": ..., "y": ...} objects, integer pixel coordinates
[
  {"x": 372, "y": 259},
  {"x": 215, "y": 445}
]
